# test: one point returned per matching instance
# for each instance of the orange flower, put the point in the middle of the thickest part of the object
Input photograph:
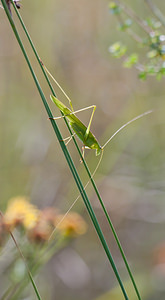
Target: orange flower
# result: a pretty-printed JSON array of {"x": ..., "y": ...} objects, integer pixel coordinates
[
  {"x": 20, "y": 211},
  {"x": 71, "y": 225},
  {"x": 44, "y": 226}
]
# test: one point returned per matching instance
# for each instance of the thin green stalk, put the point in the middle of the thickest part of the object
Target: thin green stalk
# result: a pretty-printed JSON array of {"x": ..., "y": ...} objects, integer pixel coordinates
[
  {"x": 84, "y": 162},
  {"x": 67, "y": 156}
]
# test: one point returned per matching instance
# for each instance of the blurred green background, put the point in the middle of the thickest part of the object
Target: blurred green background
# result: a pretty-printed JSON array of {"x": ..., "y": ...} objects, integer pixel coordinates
[{"x": 72, "y": 38}]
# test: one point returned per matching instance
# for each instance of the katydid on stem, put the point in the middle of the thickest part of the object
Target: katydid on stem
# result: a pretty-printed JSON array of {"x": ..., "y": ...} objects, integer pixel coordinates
[
  {"x": 84, "y": 134},
  {"x": 80, "y": 130}
]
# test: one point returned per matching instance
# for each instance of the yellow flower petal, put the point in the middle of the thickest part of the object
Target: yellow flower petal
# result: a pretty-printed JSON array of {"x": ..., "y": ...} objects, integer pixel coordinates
[
  {"x": 20, "y": 211},
  {"x": 72, "y": 225}
]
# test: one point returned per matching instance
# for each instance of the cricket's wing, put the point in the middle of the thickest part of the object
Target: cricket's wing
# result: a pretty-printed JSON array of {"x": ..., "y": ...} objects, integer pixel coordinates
[{"x": 66, "y": 111}]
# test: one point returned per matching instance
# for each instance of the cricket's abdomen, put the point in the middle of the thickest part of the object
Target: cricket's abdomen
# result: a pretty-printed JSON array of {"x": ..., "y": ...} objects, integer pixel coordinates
[{"x": 90, "y": 141}]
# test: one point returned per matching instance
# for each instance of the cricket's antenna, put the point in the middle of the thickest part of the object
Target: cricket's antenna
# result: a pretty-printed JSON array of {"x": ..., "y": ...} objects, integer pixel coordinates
[
  {"x": 56, "y": 82},
  {"x": 126, "y": 124},
  {"x": 93, "y": 174}
]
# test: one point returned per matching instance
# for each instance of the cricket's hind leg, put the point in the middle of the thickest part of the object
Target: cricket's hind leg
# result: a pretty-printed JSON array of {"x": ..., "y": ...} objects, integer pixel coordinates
[
  {"x": 68, "y": 139},
  {"x": 83, "y": 152}
]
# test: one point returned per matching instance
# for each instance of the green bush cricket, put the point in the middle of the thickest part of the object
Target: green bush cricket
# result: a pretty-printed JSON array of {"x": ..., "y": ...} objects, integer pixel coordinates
[
  {"x": 84, "y": 134},
  {"x": 80, "y": 130}
]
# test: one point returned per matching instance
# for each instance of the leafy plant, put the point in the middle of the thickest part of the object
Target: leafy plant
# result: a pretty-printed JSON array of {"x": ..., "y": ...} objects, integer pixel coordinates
[{"x": 151, "y": 40}]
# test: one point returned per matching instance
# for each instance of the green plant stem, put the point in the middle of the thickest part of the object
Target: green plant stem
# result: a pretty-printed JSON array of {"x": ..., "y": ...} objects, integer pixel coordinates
[
  {"x": 67, "y": 156},
  {"x": 84, "y": 162}
]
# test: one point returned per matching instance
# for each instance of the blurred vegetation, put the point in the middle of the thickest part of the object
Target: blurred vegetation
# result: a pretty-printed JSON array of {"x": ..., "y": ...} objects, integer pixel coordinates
[
  {"x": 73, "y": 40},
  {"x": 151, "y": 39}
]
